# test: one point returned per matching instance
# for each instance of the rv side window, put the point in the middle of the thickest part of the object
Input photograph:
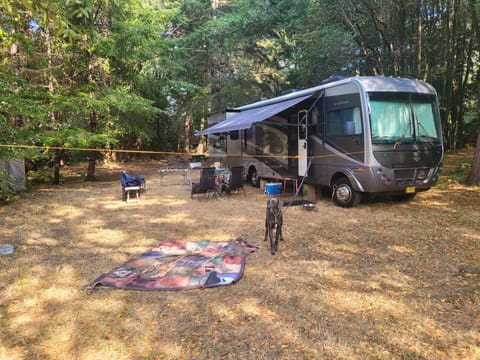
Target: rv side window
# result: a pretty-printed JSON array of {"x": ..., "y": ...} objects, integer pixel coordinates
[
  {"x": 250, "y": 140},
  {"x": 320, "y": 123},
  {"x": 344, "y": 122},
  {"x": 344, "y": 131},
  {"x": 217, "y": 144}
]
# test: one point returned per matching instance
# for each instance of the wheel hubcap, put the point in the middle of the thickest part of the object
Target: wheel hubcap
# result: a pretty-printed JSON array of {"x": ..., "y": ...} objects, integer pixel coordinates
[{"x": 344, "y": 194}]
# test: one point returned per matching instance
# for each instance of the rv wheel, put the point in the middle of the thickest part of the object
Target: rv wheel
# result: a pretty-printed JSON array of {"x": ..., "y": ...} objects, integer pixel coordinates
[
  {"x": 253, "y": 176},
  {"x": 344, "y": 195}
]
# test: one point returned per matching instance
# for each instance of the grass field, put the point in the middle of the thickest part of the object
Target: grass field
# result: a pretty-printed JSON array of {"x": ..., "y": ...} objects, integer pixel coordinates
[{"x": 383, "y": 280}]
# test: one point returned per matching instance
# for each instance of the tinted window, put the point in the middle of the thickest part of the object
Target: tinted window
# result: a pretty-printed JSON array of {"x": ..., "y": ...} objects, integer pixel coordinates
[
  {"x": 344, "y": 131},
  {"x": 343, "y": 122}
]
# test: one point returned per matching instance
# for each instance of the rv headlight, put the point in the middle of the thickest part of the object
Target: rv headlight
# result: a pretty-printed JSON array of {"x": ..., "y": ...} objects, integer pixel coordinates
[{"x": 422, "y": 174}]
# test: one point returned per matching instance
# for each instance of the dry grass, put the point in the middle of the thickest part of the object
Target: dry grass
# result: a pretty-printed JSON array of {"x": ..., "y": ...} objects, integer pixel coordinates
[{"x": 383, "y": 280}]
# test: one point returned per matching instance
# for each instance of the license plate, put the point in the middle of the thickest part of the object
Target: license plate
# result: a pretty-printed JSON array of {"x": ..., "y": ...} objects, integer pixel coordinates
[{"x": 410, "y": 189}]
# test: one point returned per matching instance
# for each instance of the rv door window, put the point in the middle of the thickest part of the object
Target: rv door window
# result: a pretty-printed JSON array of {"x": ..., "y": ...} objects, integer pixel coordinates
[
  {"x": 234, "y": 135},
  {"x": 302, "y": 132}
]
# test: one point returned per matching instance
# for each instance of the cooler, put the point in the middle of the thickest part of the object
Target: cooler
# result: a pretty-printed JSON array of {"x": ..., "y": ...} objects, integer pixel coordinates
[{"x": 273, "y": 188}]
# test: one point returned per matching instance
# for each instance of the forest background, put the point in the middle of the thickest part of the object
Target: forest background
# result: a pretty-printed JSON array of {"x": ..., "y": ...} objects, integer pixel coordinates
[{"x": 131, "y": 75}]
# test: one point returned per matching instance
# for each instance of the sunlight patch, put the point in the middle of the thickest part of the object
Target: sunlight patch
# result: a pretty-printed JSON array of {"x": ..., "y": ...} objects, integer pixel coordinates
[
  {"x": 354, "y": 302},
  {"x": 36, "y": 239},
  {"x": 225, "y": 313},
  {"x": 12, "y": 353},
  {"x": 57, "y": 294},
  {"x": 251, "y": 307},
  {"x": 105, "y": 236},
  {"x": 401, "y": 249}
]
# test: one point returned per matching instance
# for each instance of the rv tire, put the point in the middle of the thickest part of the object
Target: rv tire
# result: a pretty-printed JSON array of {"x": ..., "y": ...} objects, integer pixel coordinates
[
  {"x": 344, "y": 195},
  {"x": 253, "y": 177}
]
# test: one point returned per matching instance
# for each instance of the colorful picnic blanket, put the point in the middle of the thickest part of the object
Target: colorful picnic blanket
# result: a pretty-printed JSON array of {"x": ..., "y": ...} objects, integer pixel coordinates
[{"x": 174, "y": 265}]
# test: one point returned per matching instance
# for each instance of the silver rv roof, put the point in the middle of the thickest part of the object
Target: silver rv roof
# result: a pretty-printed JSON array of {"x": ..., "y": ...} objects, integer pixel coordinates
[{"x": 244, "y": 117}]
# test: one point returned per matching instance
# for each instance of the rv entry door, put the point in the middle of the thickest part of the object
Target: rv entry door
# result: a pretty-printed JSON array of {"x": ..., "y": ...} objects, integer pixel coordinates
[{"x": 302, "y": 117}]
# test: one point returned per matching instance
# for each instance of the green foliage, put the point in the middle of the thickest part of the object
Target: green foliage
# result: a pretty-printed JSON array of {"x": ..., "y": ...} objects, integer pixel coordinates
[
  {"x": 21, "y": 99},
  {"x": 463, "y": 169},
  {"x": 457, "y": 174},
  {"x": 76, "y": 139},
  {"x": 39, "y": 177},
  {"x": 6, "y": 186},
  {"x": 455, "y": 168}
]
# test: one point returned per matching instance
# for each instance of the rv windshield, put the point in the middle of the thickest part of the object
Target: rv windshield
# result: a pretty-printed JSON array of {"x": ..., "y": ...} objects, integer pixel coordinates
[{"x": 403, "y": 117}]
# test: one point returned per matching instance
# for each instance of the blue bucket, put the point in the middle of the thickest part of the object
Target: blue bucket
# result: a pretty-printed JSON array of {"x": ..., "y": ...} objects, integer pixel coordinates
[{"x": 273, "y": 188}]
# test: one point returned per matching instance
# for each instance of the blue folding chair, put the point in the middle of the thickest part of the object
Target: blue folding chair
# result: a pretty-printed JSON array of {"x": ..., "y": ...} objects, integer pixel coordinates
[{"x": 132, "y": 185}]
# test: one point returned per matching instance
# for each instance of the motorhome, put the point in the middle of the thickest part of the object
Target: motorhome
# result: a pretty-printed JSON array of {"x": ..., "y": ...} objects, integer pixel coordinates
[{"x": 355, "y": 136}]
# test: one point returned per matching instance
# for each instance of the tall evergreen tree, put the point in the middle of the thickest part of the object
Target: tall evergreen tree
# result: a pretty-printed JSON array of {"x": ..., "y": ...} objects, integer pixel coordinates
[{"x": 473, "y": 177}]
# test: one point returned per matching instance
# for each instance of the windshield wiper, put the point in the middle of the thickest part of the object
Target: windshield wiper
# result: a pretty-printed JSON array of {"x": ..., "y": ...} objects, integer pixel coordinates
[{"x": 428, "y": 138}]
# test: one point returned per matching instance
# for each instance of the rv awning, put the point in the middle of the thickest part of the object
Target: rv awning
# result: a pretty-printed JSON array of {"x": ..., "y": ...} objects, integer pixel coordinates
[{"x": 243, "y": 119}]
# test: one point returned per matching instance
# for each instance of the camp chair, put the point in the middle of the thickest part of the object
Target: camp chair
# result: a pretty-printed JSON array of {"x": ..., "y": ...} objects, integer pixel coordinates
[
  {"x": 139, "y": 180},
  {"x": 236, "y": 180},
  {"x": 131, "y": 185},
  {"x": 207, "y": 184}
]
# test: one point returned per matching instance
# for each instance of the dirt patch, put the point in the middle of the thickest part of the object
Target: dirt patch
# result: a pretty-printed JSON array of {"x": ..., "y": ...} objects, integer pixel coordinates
[{"x": 383, "y": 280}]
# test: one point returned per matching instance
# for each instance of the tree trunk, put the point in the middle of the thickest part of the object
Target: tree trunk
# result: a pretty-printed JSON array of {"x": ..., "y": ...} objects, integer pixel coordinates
[
  {"x": 59, "y": 154},
  {"x": 93, "y": 154},
  {"x": 419, "y": 40},
  {"x": 187, "y": 124},
  {"x": 93, "y": 121},
  {"x": 91, "y": 166},
  {"x": 473, "y": 177},
  {"x": 57, "y": 163}
]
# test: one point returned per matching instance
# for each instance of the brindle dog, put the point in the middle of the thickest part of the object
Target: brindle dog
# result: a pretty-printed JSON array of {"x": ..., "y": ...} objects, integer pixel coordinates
[{"x": 274, "y": 221}]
